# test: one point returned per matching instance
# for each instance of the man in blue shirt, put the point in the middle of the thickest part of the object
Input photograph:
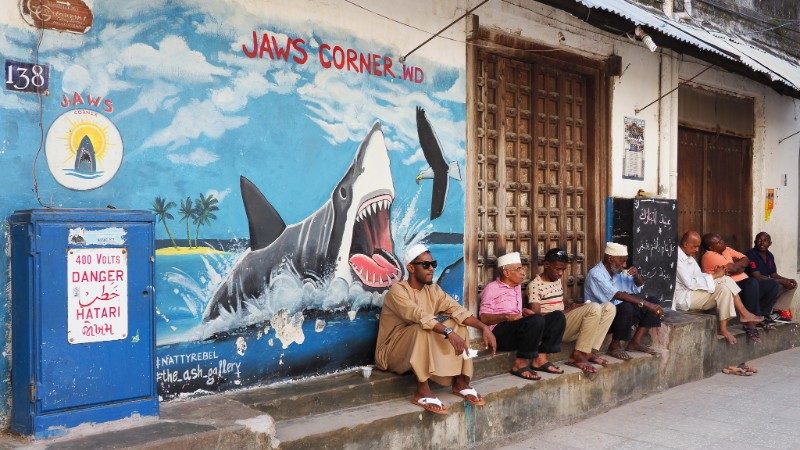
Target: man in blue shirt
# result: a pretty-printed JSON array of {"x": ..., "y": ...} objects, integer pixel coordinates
[
  {"x": 608, "y": 281},
  {"x": 762, "y": 267}
]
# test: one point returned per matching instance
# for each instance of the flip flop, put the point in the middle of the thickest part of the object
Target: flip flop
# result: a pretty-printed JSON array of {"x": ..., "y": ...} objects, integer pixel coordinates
[
  {"x": 747, "y": 368},
  {"x": 620, "y": 354},
  {"x": 597, "y": 359},
  {"x": 427, "y": 404},
  {"x": 584, "y": 366},
  {"x": 469, "y": 392},
  {"x": 523, "y": 370},
  {"x": 752, "y": 334},
  {"x": 548, "y": 367},
  {"x": 646, "y": 349},
  {"x": 767, "y": 326},
  {"x": 733, "y": 370}
]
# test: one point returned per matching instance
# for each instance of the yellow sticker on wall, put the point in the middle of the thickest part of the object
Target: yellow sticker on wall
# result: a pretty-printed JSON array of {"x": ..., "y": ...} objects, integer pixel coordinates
[{"x": 769, "y": 204}]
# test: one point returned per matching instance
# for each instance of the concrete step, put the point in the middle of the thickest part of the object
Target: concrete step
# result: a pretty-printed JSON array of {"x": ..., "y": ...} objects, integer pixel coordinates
[
  {"x": 344, "y": 390},
  {"x": 691, "y": 351},
  {"x": 513, "y": 405},
  {"x": 346, "y": 410}
]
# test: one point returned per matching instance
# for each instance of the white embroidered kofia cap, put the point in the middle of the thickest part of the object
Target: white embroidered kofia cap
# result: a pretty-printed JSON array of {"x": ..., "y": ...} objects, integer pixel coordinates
[
  {"x": 414, "y": 251},
  {"x": 509, "y": 258},
  {"x": 614, "y": 249}
]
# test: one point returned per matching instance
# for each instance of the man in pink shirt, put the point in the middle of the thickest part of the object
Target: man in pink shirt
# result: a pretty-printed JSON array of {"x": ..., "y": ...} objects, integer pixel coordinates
[
  {"x": 758, "y": 297},
  {"x": 515, "y": 327}
]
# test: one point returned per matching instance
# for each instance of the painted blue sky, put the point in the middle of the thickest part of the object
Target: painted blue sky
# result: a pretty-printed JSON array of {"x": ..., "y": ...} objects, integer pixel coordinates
[{"x": 195, "y": 113}]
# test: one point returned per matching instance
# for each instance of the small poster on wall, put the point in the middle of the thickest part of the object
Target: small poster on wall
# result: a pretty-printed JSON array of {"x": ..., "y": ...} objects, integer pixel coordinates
[
  {"x": 98, "y": 294},
  {"x": 633, "y": 162},
  {"x": 769, "y": 204}
]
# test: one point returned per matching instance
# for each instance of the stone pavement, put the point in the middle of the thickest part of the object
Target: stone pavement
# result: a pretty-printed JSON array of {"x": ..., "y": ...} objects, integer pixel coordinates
[{"x": 720, "y": 412}]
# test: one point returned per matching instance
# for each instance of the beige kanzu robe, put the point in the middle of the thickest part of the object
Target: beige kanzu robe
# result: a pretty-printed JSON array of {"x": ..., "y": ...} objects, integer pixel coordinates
[{"x": 406, "y": 340}]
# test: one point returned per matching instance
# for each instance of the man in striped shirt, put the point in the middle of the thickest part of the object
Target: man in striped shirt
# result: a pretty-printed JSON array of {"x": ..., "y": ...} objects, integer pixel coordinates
[{"x": 586, "y": 323}]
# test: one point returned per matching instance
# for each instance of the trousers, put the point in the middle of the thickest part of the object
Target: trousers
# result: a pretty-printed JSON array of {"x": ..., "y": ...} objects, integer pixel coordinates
[{"x": 628, "y": 315}]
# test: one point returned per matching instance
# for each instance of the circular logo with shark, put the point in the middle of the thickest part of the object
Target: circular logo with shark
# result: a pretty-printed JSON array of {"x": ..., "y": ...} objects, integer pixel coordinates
[{"x": 84, "y": 149}]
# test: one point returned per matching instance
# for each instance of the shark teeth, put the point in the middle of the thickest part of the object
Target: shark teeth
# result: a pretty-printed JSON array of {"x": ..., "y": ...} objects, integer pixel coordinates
[{"x": 373, "y": 207}]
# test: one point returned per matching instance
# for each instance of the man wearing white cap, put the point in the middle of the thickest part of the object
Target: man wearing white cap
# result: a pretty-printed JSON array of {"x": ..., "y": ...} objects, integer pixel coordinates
[
  {"x": 411, "y": 339},
  {"x": 609, "y": 282},
  {"x": 517, "y": 328}
]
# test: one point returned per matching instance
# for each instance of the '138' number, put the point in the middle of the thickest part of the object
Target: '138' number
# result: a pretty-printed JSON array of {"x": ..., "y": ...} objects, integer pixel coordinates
[{"x": 36, "y": 78}]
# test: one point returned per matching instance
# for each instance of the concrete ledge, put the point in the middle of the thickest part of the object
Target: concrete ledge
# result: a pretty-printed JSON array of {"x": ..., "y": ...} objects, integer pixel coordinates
[
  {"x": 691, "y": 350},
  {"x": 346, "y": 410},
  {"x": 513, "y": 405}
]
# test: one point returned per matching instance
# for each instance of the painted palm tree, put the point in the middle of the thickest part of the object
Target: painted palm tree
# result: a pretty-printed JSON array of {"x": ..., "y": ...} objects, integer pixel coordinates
[
  {"x": 204, "y": 208},
  {"x": 161, "y": 209},
  {"x": 187, "y": 215}
]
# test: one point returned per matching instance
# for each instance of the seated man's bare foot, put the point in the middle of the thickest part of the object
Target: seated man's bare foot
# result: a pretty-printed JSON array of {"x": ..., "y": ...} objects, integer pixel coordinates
[
  {"x": 728, "y": 336},
  {"x": 431, "y": 404},
  {"x": 581, "y": 363},
  {"x": 460, "y": 382},
  {"x": 462, "y": 389},
  {"x": 639, "y": 347},
  {"x": 750, "y": 318},
  {"x": 597, "y": 359}
]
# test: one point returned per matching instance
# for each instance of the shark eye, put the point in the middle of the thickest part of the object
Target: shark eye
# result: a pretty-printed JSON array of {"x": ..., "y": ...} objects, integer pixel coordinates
[{"x": 343, "y": 192}]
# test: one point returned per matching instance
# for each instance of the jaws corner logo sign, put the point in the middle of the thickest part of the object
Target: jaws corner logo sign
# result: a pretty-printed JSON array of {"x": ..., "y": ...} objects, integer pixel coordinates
[
  {"x": 84, "y": 149},
  {"x": 61, "y": 15}
]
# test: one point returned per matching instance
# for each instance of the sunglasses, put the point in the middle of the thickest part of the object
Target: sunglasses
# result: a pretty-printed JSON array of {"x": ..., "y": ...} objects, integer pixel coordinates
[{"x": 425, "y": 264}]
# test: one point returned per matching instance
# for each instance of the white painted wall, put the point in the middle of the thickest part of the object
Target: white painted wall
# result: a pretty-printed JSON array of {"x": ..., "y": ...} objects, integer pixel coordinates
[
  {"x": 776, "y": 116},
  {"x": 636, "y": 87}
]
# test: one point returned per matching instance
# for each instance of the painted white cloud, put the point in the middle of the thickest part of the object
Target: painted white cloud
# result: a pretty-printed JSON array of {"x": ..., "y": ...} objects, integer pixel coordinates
[
  {"x": 173, "y": 59},
  {"x": 199, "y": 157},
  {"x": 345, "y": 110},
  {"x": 457, "y": 92},
  {"x": 219, "y": 195},
  {"x": 103, "y": 77},
  {"x": 235, "y": 96},
  {"x": 151, "y": 98},
  {"x": 18, "y": 101},
  {"x": 191, "y": 121},
  {"x": 76, "y": 79}
]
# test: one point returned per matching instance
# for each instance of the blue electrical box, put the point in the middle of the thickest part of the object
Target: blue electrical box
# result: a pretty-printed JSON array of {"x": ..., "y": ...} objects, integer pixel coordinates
[{"x": 83, "y": 322}]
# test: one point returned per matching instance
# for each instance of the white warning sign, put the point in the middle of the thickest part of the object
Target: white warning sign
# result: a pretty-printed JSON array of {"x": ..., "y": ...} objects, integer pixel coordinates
[{"x": 97, "y": 289}]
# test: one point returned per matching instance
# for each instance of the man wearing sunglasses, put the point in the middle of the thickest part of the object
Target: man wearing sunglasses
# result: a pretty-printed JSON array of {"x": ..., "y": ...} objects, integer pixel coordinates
[{"x": 410, "y": 338}]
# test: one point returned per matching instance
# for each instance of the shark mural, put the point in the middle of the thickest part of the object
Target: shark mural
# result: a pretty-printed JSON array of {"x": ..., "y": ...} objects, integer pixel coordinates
[
  {"x": 349, "y": 237},
  {"x": 288, "y": 155}
]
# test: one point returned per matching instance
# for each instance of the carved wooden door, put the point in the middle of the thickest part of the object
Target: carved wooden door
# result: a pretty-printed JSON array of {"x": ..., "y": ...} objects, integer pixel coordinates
[
  {"x": 714, "y": 185},
  {"x": 531, "y": 164}
]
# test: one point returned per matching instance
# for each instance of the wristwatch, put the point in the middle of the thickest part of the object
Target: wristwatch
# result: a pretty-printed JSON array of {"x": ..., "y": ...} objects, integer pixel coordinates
[
  {"x": 447, "y": 332},
  {"x": 641, "y": 304}
]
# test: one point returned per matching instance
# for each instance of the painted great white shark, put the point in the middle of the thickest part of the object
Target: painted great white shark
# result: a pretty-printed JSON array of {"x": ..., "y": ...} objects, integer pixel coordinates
[{"x": 348, "y": 237}]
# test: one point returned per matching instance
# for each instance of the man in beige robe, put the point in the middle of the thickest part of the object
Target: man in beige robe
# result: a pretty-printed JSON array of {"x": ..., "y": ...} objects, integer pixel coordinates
[{"x": 410, "y": 337}]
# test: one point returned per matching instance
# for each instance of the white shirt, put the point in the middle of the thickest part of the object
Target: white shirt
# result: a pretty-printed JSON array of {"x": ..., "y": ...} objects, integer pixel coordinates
[{"x": 689, "y": 278}]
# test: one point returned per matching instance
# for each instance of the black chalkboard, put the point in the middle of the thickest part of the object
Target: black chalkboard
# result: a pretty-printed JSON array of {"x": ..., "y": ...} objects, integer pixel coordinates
[{"x": 647, "y": 227}]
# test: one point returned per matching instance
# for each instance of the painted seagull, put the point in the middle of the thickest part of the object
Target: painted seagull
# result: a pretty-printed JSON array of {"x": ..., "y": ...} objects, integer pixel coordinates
[
  {"x": 348, "y": 237},
  {"x": 439, "y": 169}
]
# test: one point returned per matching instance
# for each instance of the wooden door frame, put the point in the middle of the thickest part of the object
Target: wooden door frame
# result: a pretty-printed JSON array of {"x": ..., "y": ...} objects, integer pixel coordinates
[{"x": 598, "y": 164}]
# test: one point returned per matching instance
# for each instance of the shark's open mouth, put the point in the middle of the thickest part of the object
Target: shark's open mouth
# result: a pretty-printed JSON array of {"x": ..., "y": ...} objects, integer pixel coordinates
[{"x": 372, "y": 252}]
